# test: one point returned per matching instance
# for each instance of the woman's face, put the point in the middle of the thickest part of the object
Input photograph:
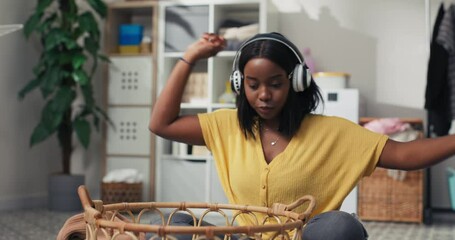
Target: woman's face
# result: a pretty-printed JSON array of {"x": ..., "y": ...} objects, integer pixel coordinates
[{"x": 266, "y": 87}]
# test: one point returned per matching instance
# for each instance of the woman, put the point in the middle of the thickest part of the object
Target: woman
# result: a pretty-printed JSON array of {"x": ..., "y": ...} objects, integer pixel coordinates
[{"x": 271, "y": 148}]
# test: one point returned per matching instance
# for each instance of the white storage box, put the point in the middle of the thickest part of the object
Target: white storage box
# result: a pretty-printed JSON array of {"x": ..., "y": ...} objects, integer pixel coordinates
[
  {"x": 331, "y": 80},
  {"x": 128, "y": 136},
  {"x": 130, "y": 80}
]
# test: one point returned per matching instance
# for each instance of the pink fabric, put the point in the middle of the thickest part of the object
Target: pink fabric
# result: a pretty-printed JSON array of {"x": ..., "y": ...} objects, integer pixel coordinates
[{"x": 387, "y": 125}]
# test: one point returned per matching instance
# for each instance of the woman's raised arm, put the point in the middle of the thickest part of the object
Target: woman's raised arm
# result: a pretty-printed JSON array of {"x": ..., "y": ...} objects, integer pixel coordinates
[{"x": 165, "y": 120}]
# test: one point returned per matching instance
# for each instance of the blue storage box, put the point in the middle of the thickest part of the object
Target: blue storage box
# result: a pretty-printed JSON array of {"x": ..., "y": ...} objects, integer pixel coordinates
[
  {"x": 451, "y": 184},
  {"x": 130, "y": 34}
]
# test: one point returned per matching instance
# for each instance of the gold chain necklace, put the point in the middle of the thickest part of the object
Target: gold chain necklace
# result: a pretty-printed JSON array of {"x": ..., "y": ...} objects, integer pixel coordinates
[{"x": 272, "y": 143}]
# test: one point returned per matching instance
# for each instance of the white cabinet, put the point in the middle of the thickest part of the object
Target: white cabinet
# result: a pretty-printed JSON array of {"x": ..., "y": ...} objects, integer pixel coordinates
[
  {"x": 192, "y": 177},
  {"x": 130, "y": 84},
  {"x": 343, "y": 103}
]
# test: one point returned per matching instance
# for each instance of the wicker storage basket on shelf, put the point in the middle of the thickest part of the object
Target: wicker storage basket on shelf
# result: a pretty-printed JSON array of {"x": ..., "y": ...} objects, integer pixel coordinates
[
  {"x": 121, "y": 192},
  {"x": 383, "y": 198}
]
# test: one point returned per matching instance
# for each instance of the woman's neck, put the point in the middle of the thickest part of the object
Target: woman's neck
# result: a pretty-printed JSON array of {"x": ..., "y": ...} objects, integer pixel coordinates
[{"x": 269, "y": 125}]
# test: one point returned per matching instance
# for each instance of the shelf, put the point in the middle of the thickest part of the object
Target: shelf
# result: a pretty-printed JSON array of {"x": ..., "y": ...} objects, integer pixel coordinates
[
  {"x": 6, "y": 29},
  {"x": 229, "y": 54},
  {"x": 131, "y": 55},
  {"x": 144, "y": 13},
  {"x": 223, "y": 105},
  {"x": 133, "y": 4},
  {"x": 127, "y": 156},
  {"x": 192, "y": 158},
  {"x": 193, "y": 106},
  {"x": 182, "y": 23},
  {"x": 130, "y": 86},
  {"x": 222, "y": 54}
]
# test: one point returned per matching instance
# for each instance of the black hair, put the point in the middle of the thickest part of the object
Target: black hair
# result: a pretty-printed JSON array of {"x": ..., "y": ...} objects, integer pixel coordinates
[{"x": 298, "y": 104}]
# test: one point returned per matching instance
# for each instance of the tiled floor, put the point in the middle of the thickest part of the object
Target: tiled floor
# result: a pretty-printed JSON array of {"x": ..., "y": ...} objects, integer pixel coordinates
[
  {"x": 407, "y": 231},
  {"x": 43, "y": 224},
  {"x": 31, "y": 224}
]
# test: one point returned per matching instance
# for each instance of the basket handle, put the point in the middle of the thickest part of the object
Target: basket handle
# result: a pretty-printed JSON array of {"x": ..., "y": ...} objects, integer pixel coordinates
[
  {"x": 90, "y": 214},
  {"x": 86, "y": 201},
  {"x": 297, "y": 203}
]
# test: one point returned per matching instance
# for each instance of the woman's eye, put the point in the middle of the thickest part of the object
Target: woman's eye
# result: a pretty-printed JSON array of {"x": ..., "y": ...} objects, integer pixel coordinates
[
  {"x": 276, "y": 85},
  {"x": 253, "y": 86}
]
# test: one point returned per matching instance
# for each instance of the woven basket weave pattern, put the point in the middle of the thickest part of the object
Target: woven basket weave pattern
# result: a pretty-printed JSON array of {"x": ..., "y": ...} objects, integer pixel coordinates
[
  {"x": 125, "y": 220},
  {"x": 383, "y": 198},
  {"x": 121, "y": 192}
]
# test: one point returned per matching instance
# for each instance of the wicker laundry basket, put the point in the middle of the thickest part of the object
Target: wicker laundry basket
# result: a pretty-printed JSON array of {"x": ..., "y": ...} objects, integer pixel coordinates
[
  {"x": 280, "y": 221},
  {"x": 381, "y": 197},
  {"x": 121, "y": 192}
]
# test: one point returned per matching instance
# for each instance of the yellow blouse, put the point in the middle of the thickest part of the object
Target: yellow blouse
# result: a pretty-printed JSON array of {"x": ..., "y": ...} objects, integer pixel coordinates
[{"x": 326, "y": 158}]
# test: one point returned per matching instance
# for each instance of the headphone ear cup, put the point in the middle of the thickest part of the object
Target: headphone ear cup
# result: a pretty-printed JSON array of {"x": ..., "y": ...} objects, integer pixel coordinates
[
  {"x": 297, "y": 78},
  {"x": 236, "y": 81},
  {"x": 308, "y": 77}
]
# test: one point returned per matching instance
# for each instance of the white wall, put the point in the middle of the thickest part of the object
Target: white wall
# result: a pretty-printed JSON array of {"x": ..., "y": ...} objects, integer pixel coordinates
[
  {"x": 381, "y": 43},
  {"x": 24, "y": 170}
]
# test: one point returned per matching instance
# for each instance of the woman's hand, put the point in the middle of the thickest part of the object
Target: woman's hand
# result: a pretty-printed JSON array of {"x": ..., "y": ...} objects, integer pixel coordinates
[{"x": 207, "y": 46}]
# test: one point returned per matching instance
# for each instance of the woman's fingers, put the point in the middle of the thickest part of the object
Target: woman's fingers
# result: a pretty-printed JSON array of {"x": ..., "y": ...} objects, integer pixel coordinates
[
  {"x": 213, "y": 39},
  {"x": 213, "y": 42},
  {"x": 207, "y": 46}
]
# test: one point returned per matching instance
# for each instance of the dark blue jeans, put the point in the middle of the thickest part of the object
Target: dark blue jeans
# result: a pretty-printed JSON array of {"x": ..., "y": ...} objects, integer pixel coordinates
[{"x": 333, "y": 225}]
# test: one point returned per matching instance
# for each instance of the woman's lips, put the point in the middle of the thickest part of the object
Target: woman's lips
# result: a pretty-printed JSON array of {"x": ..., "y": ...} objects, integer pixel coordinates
[{"x": 265, "y": 110}]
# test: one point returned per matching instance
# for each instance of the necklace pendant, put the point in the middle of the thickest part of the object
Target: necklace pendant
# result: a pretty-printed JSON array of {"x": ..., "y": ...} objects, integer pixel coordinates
[{"x": 273, "y": 143}]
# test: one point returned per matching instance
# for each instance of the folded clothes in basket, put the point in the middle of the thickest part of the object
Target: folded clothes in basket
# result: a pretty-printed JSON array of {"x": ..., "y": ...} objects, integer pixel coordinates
[
  {"x": 127, "y": 175},
  {"x": 74, "y": 229},
  {"x": 387, "y": 125},
  {"x": 398, "y": 131}
]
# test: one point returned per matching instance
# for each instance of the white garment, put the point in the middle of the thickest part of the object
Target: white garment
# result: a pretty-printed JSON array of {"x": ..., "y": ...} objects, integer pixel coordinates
[{"x": 127, "y": 175}]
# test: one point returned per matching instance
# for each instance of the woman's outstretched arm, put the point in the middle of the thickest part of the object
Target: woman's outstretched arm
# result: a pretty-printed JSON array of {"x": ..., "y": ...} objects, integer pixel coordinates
[{"x": 416, "y": 154}]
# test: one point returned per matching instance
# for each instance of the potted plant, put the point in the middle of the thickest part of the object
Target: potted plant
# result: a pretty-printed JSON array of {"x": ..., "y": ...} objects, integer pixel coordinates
[{"x": 70, "y": 40}]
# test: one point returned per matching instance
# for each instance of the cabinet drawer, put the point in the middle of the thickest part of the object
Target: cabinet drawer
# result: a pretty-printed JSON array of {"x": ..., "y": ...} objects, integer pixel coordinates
[
  {"x": 130, "y": 80},
  {"x": 130, "y": 134}
]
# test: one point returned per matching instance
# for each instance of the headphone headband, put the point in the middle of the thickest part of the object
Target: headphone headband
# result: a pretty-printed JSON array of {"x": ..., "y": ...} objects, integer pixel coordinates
[
  {"x": 301, "y": 76},
  {"x": 266, "y": 36}
]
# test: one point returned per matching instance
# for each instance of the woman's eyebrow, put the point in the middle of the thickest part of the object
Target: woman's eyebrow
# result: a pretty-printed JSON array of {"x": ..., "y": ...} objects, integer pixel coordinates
[{"x": 279, "y": 75}]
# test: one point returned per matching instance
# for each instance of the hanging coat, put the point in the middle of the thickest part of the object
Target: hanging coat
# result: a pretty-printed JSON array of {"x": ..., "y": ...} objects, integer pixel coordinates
[{"x": 437, "y": 100}]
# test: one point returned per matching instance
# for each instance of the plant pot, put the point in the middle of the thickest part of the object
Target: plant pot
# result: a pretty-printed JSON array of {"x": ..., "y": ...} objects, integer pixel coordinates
[{"x": 63, "y": 192}]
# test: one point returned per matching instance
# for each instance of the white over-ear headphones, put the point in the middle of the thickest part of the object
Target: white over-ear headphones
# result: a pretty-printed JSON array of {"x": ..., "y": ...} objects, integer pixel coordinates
[{"x": 301, "y": 75}]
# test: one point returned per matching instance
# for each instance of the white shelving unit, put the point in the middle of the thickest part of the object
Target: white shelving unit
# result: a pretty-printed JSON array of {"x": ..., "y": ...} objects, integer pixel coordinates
[
  {"x": 130, "y": 84},
  {"x": 180, "y": 176}
]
